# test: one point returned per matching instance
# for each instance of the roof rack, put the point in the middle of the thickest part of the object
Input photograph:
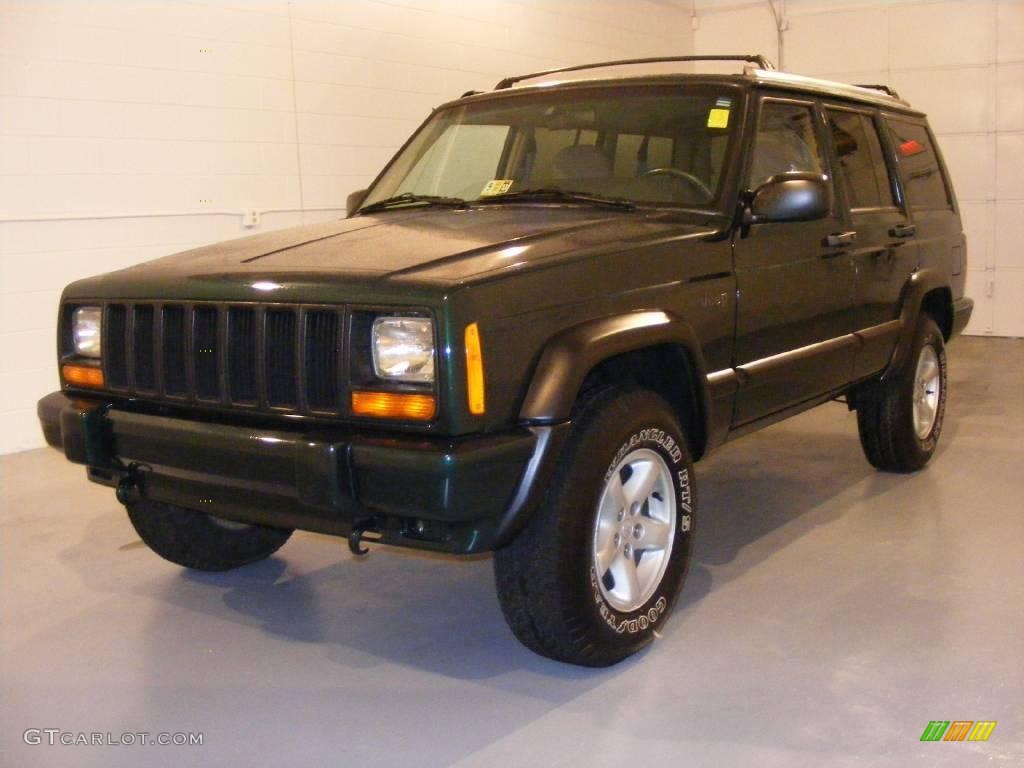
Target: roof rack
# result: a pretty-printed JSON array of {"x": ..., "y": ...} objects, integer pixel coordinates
[
  {"x": 882, "y": 88},
  {"x": 761, "y": 62}
]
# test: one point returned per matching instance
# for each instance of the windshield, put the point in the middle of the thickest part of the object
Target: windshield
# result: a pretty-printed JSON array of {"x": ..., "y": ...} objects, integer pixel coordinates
[{"x": 660, "y": 145}]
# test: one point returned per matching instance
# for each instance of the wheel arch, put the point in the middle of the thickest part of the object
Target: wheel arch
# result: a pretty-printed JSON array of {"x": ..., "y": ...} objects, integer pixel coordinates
[
  {"x": 938, "y": 303},
  {"x": 653, "y": 348},
  {"x": 926, "y": 291}
]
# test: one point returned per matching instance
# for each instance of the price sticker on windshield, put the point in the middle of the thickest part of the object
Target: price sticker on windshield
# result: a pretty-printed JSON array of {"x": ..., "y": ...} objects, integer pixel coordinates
[{"x": 497, "y": 187}]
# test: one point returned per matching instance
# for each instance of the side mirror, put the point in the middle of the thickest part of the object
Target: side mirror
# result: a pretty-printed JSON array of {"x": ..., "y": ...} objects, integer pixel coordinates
[
  {"x": 794, "y": 196},
  {"x": 354, "y": 200}
]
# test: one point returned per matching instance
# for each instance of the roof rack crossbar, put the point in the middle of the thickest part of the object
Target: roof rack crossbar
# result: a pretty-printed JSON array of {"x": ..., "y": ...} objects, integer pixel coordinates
[
  {"x": 878, "y": 87},
  {"x": 761, "y": 61}
]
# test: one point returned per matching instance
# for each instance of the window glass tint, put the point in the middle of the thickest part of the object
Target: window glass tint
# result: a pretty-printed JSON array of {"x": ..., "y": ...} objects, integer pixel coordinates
[
  {"x": 861, "y": 162},
  {"x": 786, "y": 141},
  {"x": 659, "y": 152},
  {"x": 629, "y": 155},
  {"x": 636, "y": 155},
  {"x": 925, "y": 185},
  {"x": 546, "y": 145}
]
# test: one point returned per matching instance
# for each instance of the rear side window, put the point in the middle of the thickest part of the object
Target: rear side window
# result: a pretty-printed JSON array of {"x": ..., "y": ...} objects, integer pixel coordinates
[
  {"x": 926, "y": 186},
  {"x": 862, "y": 167}
]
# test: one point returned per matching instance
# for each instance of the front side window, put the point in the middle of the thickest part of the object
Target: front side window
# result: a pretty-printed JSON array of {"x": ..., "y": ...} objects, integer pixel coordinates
[
  {"x": 926, "y": 187},
  {"x": 646, "y": 144},
  {"x": 786, "y": 141},
  {"x": 862, "y": 168}
]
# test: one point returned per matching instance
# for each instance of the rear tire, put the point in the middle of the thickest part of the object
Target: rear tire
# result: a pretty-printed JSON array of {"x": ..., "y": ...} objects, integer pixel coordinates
[
  {"x": 900, "y": 420},
  {"x": 599, "y": 566},
  {"x": 197, "y": 540}
]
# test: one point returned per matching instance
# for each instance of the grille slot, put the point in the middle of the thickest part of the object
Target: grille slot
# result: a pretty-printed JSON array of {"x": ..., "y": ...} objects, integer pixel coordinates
[
  {"x": 250, "y": 356},
  {"x": 144, "y": 349},
  {"x": 279, "y": 352},
  {"x": 321, "y": 360},
  {"x": 242, "y": 355},
  {"x": 175, "y": 378},
  {"x": 205, "y": 351},
  {"x": 115, "y": 346}
]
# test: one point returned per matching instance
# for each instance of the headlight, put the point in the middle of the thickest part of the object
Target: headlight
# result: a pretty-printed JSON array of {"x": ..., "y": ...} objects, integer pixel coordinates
[
  {"x": 86, "y": 331},
  {"x": 403, "y": 349}
]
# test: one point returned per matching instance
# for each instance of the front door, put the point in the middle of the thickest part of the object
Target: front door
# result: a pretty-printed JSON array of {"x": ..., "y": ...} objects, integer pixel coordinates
[{"x": 795, "y": 280}]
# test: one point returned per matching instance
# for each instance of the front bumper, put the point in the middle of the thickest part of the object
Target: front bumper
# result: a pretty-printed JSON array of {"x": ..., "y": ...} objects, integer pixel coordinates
[{"x": 456, "y": 495}]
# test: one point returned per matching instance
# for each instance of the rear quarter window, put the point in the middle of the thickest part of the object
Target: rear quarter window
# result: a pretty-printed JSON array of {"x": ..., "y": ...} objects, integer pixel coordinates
[{"x": 926, "y": 185}]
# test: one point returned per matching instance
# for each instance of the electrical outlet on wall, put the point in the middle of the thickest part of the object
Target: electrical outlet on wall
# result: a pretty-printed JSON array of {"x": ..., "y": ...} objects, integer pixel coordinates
[{"x": 250, "y": 218}]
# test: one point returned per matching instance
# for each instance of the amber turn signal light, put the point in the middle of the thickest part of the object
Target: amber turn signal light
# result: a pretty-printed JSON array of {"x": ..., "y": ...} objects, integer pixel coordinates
[
  {"x": 393, "y": 405},
  {"x": 474, "y": 370},
  {"x": 83, "y": 376}
]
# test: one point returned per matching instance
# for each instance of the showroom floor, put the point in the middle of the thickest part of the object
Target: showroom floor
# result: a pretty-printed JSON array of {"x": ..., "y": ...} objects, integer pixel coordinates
[{"x": 830, "y": 614}]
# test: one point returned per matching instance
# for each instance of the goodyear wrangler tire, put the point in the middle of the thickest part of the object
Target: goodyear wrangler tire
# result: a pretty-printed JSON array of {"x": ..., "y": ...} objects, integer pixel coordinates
[
  {"x": 601, "y": 563},
  {"x": 900, "y": 421},
  {"x": 197, "y": 540}
]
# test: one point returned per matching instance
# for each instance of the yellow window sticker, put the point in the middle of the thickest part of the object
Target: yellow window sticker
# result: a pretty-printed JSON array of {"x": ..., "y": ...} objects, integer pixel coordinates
[
  {"x": 718, "y": 118},
  {"x": 497, "y": 187}
]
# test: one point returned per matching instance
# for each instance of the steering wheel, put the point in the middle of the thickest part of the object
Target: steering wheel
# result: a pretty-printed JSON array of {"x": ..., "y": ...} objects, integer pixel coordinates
[{"x": 689, "y": 178}]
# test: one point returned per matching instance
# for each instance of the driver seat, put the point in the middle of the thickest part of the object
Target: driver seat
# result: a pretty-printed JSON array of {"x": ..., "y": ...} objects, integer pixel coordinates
[{"x": 582, "y": 161}]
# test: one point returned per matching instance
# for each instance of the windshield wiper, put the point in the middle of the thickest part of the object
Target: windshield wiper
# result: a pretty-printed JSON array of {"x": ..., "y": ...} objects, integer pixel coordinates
[
  {"x": 554, "y": 194},
  {"x": 409, "y": 198}
]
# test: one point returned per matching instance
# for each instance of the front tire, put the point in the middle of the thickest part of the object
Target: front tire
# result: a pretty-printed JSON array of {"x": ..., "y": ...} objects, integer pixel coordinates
[
  {"x": 900, "y": 420},
  {"x": 197, "y": 540},
  {"x": 599, "y": 566}
]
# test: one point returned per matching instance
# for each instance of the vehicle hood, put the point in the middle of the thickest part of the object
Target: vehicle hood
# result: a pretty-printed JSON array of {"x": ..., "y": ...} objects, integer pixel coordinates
[{"x": 428, "y": 247}]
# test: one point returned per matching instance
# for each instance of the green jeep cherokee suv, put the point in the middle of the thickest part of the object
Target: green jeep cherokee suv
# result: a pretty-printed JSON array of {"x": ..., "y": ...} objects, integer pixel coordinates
[{"x": 557, "y": 297}]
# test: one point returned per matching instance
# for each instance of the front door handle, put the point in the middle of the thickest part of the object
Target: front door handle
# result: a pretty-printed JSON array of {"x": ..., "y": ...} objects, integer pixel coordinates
[
  {"x": 903, "y": 230},
  {"x": 839, "y": 239}
]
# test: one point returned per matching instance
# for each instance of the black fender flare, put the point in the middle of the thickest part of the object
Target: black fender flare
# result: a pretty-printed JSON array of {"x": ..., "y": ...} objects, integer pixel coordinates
[
  {"x": 570, "y": 355},
  {"x": 564, "y": 363},
  {"x": 919, "y": 285}
]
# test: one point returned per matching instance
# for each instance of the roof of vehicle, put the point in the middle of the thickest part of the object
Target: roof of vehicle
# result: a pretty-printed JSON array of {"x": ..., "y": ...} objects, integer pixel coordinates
[{"x": 757, "y": 71}]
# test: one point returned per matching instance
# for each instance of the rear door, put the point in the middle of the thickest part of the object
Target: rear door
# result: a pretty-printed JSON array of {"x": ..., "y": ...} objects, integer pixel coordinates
[{"x": 885, "y": 250}]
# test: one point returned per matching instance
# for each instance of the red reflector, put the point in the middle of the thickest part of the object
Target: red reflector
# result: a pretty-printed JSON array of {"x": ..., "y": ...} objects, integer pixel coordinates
[{"x": 911, "y": 147}]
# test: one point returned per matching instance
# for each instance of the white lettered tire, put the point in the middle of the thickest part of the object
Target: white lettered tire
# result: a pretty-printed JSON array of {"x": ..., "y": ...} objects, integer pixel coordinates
[{"x": 599, "y": 567}]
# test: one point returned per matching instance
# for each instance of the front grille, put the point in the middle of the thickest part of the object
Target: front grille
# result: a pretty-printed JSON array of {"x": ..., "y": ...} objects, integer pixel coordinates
[{"x": 280, "y": 358}]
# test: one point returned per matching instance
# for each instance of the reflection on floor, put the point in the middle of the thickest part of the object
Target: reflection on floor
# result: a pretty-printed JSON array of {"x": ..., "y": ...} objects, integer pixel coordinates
[{"x": 830, "y": 614}]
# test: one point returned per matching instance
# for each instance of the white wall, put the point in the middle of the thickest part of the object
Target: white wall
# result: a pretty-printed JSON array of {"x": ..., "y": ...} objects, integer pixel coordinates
[
  {"x": 131, "y": 130},
  {"x": 963, "y": 64}
]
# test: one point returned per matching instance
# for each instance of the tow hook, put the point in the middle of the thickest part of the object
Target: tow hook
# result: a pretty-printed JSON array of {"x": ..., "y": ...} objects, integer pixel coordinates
[
  {"x": 129, "y": 488},
  {"x": 356, "y": 537}
]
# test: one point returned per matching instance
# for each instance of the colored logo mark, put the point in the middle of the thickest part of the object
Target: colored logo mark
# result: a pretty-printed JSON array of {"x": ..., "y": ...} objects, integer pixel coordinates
[{"x": 958, "y": 730}]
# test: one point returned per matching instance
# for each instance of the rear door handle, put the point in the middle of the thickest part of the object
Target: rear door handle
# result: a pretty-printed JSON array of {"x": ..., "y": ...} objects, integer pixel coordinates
[
  {"x": 839, "y": 239},
  {"x": 903, "y": 230}
]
